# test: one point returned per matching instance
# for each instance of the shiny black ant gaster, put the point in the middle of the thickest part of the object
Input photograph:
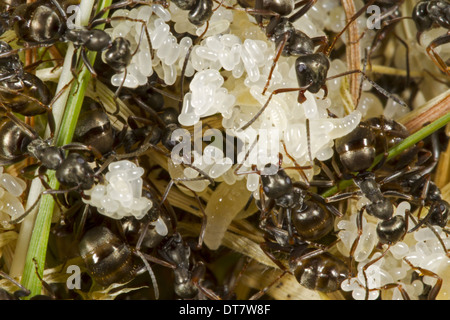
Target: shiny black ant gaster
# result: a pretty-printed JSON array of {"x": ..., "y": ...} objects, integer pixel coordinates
[{"x": 20, "y": 91}]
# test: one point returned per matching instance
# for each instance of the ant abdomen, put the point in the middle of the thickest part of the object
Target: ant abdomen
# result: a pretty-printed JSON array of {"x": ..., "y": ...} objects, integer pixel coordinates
[
  {"x": 313, "y": 222},
  {"x": 391, "y": 231},
  {"x": 322, "y": 272},
  {"x": 28, "y": 17},
  {"x": 108, "y": 260},
  {"x": 357, "y": 150},
  {"x": 14, "y": 141},
  {"x": 34, "y": 95}
]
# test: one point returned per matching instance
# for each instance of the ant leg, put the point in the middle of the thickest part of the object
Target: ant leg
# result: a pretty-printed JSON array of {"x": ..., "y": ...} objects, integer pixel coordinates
[
  {"x": 266, "y": 246},
  {"x": 322, "y": 42},
  {"x": 153, "y": 115},
  {"x": 278, "y": 50},
  {"x": 297, "y": 166},
  {"x": 408, "y": 77},
  {"x": 239, "y": 166},
  {"x": 44, "y": 283},
  {"x": 323, "y": 201},
  {"x": 204, "y": 220},
  {"x": 277, "y": 91},
  {"x": 23, "y": 292},
  {"x": 342, "y": 196},
  {"x": 150, "y": 272},
  {"x": 88, "y": 65},
  {"x": 182, "y": 77},
  {"x": 204, "y": 216},
  {"x": 60, "y": 9},
  {"x": 73, "y": 68},
  {"x": 373, "y": 83},
  {"x": 436, "y": 288},
  {"x": 435, "y": 56},
  {"x": 76, "y": 146},
  {"x": 306, "y": 5},
  {"x": 263, "y": 291},
  {"x": 26, "y": 213},
  {"x": 198, "y": 273},
  {"x": 366, "y": 266},
  {"x": 356, "y": 241}
]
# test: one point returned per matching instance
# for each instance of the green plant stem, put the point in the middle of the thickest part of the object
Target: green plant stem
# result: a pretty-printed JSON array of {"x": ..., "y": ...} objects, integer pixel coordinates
[
  {"x": 395, "y": 151},
  {"x": 39, "y": 239}
]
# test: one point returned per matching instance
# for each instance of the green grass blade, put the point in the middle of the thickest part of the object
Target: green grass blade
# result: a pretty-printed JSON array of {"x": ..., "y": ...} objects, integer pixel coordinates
[{"x": 39, "y": 239}]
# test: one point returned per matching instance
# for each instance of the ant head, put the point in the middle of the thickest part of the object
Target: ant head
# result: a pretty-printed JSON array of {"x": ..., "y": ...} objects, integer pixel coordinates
[
  {"x": 392, "y": 230},
  {"x": 201, "y": 12},
  {"x": 279, "y": 187},
  {"x": 118, "y": 55},
  {"x": 311, "y": 70},
  {"x": 439, "y": 213},
  {"x": 421, "y": 18},
  {"x": 75, "y": 171}
]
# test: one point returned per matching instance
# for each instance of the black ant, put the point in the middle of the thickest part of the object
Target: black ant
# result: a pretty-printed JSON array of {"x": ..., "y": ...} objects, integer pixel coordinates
[
  {"x": 357, "y": 152},
  {"x": 311, "y": 264},
  {"x": 417, "y": 183},
  {"x": 304, "y": 217},
  {"x": 311, "y": 218},
  {"x": 20, "y": 141},
  {"x": 431, "y": 14},
  {"x": 187, "y": 282}
]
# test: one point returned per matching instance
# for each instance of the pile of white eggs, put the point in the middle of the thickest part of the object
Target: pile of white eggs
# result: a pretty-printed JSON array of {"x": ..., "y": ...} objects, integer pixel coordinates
[
  {"x": 230, "y": 67},
  {"x": 121, "y": 195},
  {"x": 422, "y": 249}
]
